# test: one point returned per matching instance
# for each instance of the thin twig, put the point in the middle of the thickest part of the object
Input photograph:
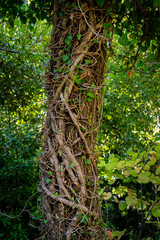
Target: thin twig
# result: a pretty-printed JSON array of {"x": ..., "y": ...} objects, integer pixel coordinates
[{"x": 11, "y": 217}]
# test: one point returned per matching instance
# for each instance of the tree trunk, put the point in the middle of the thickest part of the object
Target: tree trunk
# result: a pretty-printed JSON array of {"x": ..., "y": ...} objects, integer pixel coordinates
[{"x": 75, "y": 92}]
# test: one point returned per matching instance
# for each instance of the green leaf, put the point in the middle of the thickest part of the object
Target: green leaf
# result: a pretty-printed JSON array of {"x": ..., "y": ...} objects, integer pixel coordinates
[
  {"x": 71, "y": 165},
  {"x": 115, "y": 233},
  {"x": 147, "y": 167},
  {"x": 130, "y": 152},
  {"x": 158, "y": 170},
  {"x": 78, "y": 36},
  {"x": 133, "y": 173},
  {"x": 77, "y": 79},
  {"x": 106, "y": 196},
  {"x": 48, "y": 180},
  {"x": 111, "y": 165},
  {"x": 87, "y": 61},
  {"x": 95, "y": 41},
  {"x": 130, "y": 164},
  {"x": 107, "y": 25},
  {"x": 45, "y": 221},
  {"x": 64, "y": 57},
  {"x": 134, "y": 156},
  {"x": 154, "y": 179},
  {"x": 121, "y": 234},
  {"x": 87, "y": 162},
  {"x": 120, "y": 165},
  {"x": 144, "y": 177},
  {"x": 123, "y": 40},
  {"x": 157, "y": 149},
  {"x": 156, "y": 211},
  {"x": 100, "y": 2},
  {"x": 90, "y": 94},
  {"x": 113, "y": 158},
  {"x": 122, "y": 205},
  {"x": 69, "y": 62},
  {"x": 131, "y": 200},
  {"x": 68, "y": 39}
]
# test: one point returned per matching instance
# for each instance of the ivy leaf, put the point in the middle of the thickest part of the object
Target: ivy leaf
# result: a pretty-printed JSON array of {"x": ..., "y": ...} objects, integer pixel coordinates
[
  {"x": 45, "y": 221},
  {"x": 107, "y": 25},
  {"x": 64, "y": 57},
  {"x": 87, "y": 61},
  {"x": 78, "y": 36},
  {"x": 71, "y": 165},
  {"x": 123, "y": 40},
  {"x": 87, "y": 162},
  {"x": 68, "y": 39},
  {"x": 95, "y": 41},
  {"x": 90, "y": 94},
  {"x": 48, "y": 180},
  {"x": 100, "y": 2},
  {"x": 69, "y": 62}
]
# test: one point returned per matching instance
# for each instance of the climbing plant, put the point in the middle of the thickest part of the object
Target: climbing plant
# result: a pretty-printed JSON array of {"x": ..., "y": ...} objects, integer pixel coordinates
[{"x": 81, "y": 42}]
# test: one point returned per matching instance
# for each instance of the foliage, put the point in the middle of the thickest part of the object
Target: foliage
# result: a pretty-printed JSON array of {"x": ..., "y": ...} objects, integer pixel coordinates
[
  {"x": 131, "y": 103},
  {"x": 37, "y": 10},
  {"x": 130, "y": 120},
  {"x": 22, "y": 63},
  {"x": 22, "y": 115},
  {"x": 134, "y": 183}
]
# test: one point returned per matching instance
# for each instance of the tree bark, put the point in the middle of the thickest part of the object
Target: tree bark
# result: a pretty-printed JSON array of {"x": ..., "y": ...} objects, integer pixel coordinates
[{"x": 75, "y": 96}]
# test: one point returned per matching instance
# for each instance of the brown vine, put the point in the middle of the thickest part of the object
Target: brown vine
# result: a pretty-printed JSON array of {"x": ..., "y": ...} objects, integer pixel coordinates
[{"x": 75, "y": 92}]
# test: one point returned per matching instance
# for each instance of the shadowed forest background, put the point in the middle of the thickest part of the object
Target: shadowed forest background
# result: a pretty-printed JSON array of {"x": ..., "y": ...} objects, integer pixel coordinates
[{"x": 128, "y": 142}]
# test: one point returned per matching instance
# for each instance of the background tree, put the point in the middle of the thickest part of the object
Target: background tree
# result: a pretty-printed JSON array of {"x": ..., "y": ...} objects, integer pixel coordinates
[{"x": 23, "y": 57}]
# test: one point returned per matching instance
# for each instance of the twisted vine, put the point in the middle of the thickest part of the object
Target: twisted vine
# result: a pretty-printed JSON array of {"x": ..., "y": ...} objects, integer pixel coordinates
[{"x": 75, "y": 92}]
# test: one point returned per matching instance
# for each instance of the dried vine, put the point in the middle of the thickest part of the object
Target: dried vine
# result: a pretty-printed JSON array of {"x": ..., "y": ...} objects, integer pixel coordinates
[{"x": 75, "y": 92}]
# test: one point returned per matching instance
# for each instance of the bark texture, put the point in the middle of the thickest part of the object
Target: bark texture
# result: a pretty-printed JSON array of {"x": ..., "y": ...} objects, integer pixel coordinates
[{"x": 75, "y": 95}]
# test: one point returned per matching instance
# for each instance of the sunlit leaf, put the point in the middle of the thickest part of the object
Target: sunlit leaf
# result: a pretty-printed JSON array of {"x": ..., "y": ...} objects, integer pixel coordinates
[
  {"x": 122, "y": 205},
  {"x": 144, "y": 177},
  {"x": 106, "y": 196},
  {"x": 131, "y": 200},
  {"x": 156, "y": 211}
]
